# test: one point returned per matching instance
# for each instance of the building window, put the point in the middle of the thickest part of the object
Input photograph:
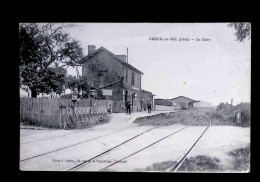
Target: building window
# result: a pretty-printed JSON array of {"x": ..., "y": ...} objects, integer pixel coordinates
[
  {"x": 126, "y": 76},
  {"x": 133, "y": 78},
  {"x": 137, "y": 79}
]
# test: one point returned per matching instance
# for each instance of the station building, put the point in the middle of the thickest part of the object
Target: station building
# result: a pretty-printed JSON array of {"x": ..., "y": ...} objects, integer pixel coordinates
[{"x": 112, "y": 74}]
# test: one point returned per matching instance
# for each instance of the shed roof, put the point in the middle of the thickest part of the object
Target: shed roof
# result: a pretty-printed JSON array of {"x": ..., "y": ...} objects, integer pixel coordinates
[{"x": 186, "y": 98}]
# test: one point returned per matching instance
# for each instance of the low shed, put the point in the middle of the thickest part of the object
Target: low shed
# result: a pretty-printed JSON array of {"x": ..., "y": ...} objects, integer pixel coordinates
[{"x": 183, "y": 102}]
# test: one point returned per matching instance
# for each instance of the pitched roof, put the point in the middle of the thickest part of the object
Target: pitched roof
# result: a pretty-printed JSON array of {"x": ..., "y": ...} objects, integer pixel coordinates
[
  {"x": 109, "y": 84},
  {"x": 115, "y": 56},
  {"x": 147, "y": 92},
  {"x": 184, "y": 97}
]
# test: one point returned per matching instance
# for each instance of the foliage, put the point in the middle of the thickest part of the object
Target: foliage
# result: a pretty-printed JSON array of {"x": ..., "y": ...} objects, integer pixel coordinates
[
  {"x": 101, "y": 73},
  {"x": 45, "y": 52},
  {"x": 227, "y": 112},
  {"x": 97, "y": 67},
  {"x": 241, "y": 158},
  {"x": 71, "y": 82},
  {"x": 201, "y": 163},
  {"x": 243, "y": 30},
  {"x": 161, "y": 166},
  {"x": 54, "y": 81}
]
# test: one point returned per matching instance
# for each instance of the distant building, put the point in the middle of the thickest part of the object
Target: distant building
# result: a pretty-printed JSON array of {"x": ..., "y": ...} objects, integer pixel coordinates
[
  {"x": 146, "y": 95},
  {"x": 163, "y": 102},
  {"x": 160, "y": 102},
  {"x": 119, "y": 80},
  {"x": 183, "y": 102}
]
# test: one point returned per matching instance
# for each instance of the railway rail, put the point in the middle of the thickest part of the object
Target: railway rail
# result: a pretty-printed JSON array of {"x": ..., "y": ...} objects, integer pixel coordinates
[
  {"x": 106, "y": 152},
  {"x": 179, "y": 163},
  {"x": 49, "y": 138},
  {"x": 72, "y": 145}
]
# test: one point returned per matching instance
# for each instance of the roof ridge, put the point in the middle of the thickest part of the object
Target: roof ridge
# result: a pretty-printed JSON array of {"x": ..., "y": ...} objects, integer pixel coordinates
[
  {"x": 111, "y": 83},
  {"x": 183, "y": 96},
  {"x": 131, "y": 66}
]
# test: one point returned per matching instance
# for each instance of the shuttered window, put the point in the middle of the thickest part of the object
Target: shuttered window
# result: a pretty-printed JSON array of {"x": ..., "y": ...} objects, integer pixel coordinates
[{"x": 133, "y": 78}]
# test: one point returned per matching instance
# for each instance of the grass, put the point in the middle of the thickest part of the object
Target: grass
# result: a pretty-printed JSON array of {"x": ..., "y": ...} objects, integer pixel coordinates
[
  {"x": 199, "y": 163},
  {"x": 49, "y": 123},
  {"x": 185, "y": 117},
  {"x": 202, "y": 163},
  {"x": 241, "y": 158},
  {"x": 162, "y": 166}
]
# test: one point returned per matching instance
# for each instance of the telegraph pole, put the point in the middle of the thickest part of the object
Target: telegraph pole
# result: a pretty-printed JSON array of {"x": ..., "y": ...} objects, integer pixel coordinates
[{"x": 127, "y": 55}]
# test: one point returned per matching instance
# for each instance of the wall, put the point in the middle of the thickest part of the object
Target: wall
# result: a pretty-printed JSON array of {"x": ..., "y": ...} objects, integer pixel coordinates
[
  {"x": 137, "y": 77},
  {"x": 166, "y": 108},
  {"x": 117, "y": 67},
  {"x": 113, "y": 65},
  {"x": 145, "y": 96},
  {"x": 159, "y": 102},
  {"x": 108, "y": 60}
]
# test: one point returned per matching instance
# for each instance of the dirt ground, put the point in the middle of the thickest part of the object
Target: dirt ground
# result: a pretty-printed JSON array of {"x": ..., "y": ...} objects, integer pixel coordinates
[{"x": 217, "y": 142}]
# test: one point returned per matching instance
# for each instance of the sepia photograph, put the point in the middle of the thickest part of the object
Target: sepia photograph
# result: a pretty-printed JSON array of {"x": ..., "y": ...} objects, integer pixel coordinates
[{"x": 135, "y": 97}]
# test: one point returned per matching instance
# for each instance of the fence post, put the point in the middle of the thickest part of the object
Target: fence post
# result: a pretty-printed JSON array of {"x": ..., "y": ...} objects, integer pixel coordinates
[
  {"x": 28, "y": 108},
  {"x": 41, "y": 108},
  {"x": 60, "y": 114},
  {"x": 65, "y": 120}
]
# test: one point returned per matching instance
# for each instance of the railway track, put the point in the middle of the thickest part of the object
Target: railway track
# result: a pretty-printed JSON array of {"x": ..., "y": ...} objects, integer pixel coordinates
[
  {"x": 110, "y": 150},
  {"x": 72, "y": 145},
  {"x": 180, "y": 162},
  {"x": 49, "y": 138}
]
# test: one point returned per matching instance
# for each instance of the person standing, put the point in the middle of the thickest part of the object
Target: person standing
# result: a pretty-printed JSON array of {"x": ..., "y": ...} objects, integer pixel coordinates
[
  {"x": 128, "y": 107},
  {"x": 149, "y": 105}
]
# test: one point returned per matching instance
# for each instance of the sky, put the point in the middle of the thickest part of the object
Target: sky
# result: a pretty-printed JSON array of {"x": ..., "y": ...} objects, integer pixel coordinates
[{"x": 213, "y": 71}]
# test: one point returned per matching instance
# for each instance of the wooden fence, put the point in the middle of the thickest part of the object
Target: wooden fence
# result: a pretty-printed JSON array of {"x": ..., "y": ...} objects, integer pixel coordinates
[{"x": 48, "y": 112}]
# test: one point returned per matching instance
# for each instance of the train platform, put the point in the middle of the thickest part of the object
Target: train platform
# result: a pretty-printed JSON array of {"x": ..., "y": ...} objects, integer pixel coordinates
[{"x": 122, "y": 120}]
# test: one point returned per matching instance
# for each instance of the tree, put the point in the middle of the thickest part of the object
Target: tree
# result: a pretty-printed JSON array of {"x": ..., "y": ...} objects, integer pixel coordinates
[
  {"x": 45, "y": 51},
  {"x": 243, "y": 30},
  {"x": 71, "y": 82},
  {"x": 100, "y": 70},
  {"x": 54, "y": 81},
  {"x": 80, "y": 83}
]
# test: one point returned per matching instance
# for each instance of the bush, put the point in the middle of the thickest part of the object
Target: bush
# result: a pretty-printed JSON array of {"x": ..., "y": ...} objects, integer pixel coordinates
[
  {"x": 215, "y": 115},
  {"x": 245, "y": 112},
  {"x": 228, "y": 113},
  {"x": 241, "y": 158},
  {"x": 201, "y": 163}
]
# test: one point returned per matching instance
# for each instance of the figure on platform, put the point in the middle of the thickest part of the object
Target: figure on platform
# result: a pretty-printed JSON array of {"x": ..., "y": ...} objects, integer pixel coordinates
[
  {"x": 128, "y": 107},
  {"x": 149, "y": 105}
]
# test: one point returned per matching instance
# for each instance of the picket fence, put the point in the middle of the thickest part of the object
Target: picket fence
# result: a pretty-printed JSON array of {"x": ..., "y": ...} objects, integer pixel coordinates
[{"x": 56, "y": 112}]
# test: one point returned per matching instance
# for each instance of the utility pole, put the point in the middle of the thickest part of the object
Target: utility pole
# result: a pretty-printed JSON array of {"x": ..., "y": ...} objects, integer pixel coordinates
[
  {"x": 232, "y": 102},
  {"x": 127, "y": 55}
]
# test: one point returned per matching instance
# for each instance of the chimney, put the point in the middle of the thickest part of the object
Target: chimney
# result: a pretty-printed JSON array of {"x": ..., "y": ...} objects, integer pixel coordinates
[
  {"x": 123, "y": 57},
  {"x": 91, "y": 49}
]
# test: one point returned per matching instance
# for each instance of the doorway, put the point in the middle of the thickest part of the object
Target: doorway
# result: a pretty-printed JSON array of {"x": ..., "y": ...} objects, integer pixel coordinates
[{"x": 126, "y": 96}]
